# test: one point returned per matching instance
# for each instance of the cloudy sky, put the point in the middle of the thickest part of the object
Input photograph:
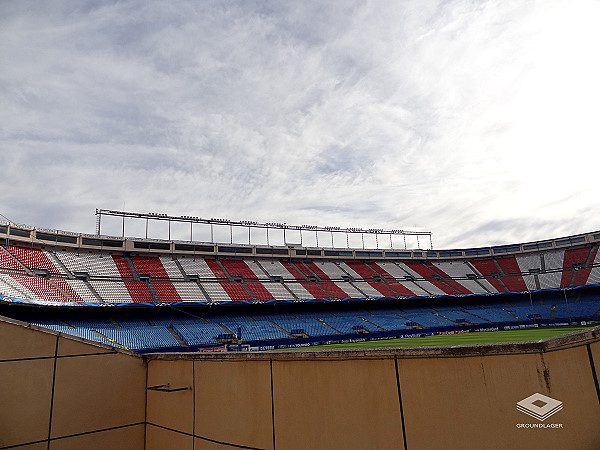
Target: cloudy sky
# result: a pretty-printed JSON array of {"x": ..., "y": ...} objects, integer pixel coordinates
[{"x": 476, "y": 120}]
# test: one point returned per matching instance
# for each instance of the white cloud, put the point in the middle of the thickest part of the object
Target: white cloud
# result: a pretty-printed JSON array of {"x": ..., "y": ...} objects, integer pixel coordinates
[{"x": 472, "y": 120}]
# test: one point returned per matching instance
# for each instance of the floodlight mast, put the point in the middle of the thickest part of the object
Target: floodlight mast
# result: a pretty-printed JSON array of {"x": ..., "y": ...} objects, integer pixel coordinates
[{"x": 251, "y": 224}]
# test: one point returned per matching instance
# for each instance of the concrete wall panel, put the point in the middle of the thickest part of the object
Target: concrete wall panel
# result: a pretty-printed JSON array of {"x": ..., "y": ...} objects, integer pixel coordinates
[
  {"x": 70, "y": 347},
  {"x": 233, "y": 402},
  {"x": 25, "y": 398},
  {"x": 18, "y": 342},
  {"x": 38, "y": 446},
  {"x": 96, "y": 392},
  {"x": 336, "y": 404},
  {"x": 171, "y": 407},
  {"x": 128, "y": 438},
  {"x": 450, "y": 401},
  {"x": 208, "y": 445},
  {"x": 161, "y": 439}
]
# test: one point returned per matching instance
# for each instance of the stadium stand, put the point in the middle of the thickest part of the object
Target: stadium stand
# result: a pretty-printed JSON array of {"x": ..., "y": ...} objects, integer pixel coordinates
[
  {"x": 95, "y": 265},
  {"x": 197, "y": 267},
  {"x": 408, "y": 295},
  {"x": 277, "y": 269},
  {"x": 302, "y": 279},
  {"x": 9, "y": 262},
  {"x": 9, "y": 286},
  {"x": 34, "y": 259},
  {"x": 152, "y": 266},
  {"x": 305, "y": 290},
  {"x": 111, "y": 291},
  {"x": 165, "y": 291},
  {"x": 215, "y": 292},
  {"x": 40, "y": 287}
]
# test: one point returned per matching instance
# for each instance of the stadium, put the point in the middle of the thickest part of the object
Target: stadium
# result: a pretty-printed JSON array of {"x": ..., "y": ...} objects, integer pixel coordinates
[
  {"x": 146, "y": 343},
  {"x": 286, "y": 326}
]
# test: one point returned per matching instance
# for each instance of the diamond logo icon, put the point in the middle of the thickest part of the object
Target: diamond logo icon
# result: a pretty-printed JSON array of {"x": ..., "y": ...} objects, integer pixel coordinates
[{"x": 539, "y": 406}]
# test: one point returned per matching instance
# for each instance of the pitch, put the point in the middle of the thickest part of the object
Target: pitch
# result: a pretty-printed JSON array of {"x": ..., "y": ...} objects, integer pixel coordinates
[{"x": 521, "y": 335}]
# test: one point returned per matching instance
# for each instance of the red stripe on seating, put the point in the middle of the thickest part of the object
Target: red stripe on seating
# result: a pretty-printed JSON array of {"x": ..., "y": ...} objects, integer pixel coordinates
[
  {"x": 383, "y": 289},
  {"x": 166, "y": 291},
  {"x": 33, "y": 259},
  {"x": 314, "y": 289},
  {"x": 149, "y": 265},
  {"x": 139, "y": 292},
  {"x": 122, "y": 266},
  {"x": 40, "y": 287},
  {"x": 216, "y": 268},
  {"x": 333, "y": 289},
  {"x": 509, "y": 265},
  {"x": 322, "y": 275},
  {"x": 401, "y": 290},
  {"x": 236, "y": 292},
  {"x": 259, "y": 291},
  {"x": 293, "y": 270},
  {"x": 486, "y": 267},
  {"x": 583, "y": 274},
  {"x": 67, "y": 288},
  {"x": 362, "y": 269},
  {"x": 303, "y": 269},
  {"x": 453, "y": 283},
  {"x": 6, "y": 262},
  {"x": 429, "y": 275},
  {"x": 238, "y": 268},
  {"x": 572, "y": 256},
  {"x": 514, "y": 281}
]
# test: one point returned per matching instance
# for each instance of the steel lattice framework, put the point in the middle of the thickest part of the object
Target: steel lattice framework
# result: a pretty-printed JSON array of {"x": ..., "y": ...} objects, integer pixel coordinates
[{"x": 251, "y": 224}]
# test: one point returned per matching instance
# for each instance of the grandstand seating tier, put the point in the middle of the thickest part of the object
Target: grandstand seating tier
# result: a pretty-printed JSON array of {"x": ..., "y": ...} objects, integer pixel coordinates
[
  {"x": 151, "y": 265},
  {"x": 34, "y": 259},
  {"x": 111, "y": 278}
]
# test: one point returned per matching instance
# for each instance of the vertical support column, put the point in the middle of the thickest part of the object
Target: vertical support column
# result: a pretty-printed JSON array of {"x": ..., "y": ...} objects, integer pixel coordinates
[
  {"x": 99, "y": 214},
  {"x": 567, "y": 304},
  {"x": 530, "y": 301}
]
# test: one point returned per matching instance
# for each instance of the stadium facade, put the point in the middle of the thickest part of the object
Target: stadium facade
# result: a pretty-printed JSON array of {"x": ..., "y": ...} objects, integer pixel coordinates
[{"x": 90, "y": 323}]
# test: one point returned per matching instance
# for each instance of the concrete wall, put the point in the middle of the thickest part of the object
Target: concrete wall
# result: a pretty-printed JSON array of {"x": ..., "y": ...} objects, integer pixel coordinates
[
  {"x": 415, "y": 398},
  {"x": 60, "y": 392}
]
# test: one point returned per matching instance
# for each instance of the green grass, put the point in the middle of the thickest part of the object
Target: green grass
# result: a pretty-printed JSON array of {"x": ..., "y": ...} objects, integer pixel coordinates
[{"x": 528, "y": 334}]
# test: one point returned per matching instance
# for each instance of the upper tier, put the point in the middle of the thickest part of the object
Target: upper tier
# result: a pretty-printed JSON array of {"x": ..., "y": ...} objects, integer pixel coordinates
[
  {"x": 61, "y": 273},
  {"x": 54, "y": 239}
]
